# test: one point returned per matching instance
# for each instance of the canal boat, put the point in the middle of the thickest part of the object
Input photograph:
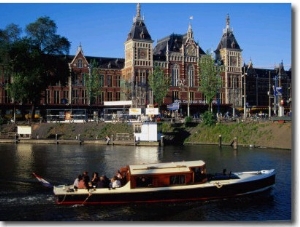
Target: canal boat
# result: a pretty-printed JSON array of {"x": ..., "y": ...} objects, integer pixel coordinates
[{"x": 169, "y": 182}]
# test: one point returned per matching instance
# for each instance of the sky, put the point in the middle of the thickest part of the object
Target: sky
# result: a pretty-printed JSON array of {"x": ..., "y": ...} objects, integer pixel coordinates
[{"x": 263, "y": 30}]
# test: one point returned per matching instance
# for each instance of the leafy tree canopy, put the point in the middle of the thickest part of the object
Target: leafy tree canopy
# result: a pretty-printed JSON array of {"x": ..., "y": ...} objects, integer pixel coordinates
[
  {"x": 34, "y": 61},
  {"x": 159, "y": 83},
  {"x": 210, "y": 77}
]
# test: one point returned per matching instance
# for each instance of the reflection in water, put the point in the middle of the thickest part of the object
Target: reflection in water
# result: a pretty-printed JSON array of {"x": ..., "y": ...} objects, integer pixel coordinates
[{"x": 24, "y": 159}]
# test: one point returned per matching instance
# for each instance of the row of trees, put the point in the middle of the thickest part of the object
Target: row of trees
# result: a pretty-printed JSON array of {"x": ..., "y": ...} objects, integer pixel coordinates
[{"x": 38, "y": 59}]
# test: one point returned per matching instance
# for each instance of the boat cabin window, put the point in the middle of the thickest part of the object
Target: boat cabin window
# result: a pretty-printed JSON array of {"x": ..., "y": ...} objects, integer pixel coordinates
[
  {"x": 177, "y": 179},
  {"x": 143, "y": 182}
]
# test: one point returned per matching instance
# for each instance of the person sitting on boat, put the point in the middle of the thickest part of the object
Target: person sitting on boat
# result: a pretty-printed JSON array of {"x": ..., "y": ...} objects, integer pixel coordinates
[
  {"x": 76, "y": 181},
  {"x": 86, "y": 175},
  {"x": 82, "y": 184},
  {"x": 115, "y": 182},
  {"x": 95, "y": 179},
  {"x": 86, "y": 179},
  {"x": 121, "y": 178},
  {"x": 119, "y": 175},
  {"x": 103, "y": 182}
]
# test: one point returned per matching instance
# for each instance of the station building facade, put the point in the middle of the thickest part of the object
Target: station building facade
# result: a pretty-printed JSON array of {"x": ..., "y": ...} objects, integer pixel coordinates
[{"x": 178, "y": 56}]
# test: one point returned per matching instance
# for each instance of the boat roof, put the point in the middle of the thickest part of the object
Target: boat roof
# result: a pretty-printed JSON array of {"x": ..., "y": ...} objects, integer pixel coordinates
[{"x": 170, "y": 167}]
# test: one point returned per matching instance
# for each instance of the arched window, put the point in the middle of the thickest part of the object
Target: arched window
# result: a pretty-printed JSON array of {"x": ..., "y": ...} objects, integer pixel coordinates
[
  {"x": 190, "y": 76},
  {"x": 175, "y": 75}
]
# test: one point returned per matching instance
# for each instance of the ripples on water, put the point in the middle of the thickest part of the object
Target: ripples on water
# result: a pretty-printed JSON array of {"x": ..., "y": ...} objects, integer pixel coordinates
[{"x": 22, "y": 198}]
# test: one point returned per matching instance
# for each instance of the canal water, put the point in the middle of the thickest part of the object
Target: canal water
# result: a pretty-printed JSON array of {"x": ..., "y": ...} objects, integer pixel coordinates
[{"x": 23, "y": 198}]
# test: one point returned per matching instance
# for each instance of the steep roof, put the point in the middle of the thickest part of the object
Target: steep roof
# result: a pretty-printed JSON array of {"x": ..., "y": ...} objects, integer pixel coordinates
[
  {"x": 139, "y": 30},
  {"x": 228, "y": 40}
]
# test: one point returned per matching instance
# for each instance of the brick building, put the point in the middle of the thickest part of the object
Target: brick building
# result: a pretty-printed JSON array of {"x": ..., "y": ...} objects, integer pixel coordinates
[{"x": 178, "y": 56}]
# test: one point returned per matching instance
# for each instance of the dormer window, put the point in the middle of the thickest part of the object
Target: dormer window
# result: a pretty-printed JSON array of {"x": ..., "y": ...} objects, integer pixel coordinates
[{"x": 79, "y": 63}]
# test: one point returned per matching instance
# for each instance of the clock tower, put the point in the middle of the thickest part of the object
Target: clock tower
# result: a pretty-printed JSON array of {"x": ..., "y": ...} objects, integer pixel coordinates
[
  {"x": 229, "y": 54},
  {"x": 138, "y": 63}
]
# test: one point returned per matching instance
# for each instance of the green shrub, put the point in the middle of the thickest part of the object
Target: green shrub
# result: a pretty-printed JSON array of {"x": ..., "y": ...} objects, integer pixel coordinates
[{"x": 208, "y": 118}]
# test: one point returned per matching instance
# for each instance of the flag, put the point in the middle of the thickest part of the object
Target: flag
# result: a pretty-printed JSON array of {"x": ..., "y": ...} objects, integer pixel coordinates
[
  {"x": 191, "y": 17},
  {"x": 43, "y": 181}
]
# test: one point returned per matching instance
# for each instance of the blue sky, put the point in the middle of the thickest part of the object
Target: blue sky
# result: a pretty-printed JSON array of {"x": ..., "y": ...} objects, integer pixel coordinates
[{"x": 263, "y": 30}]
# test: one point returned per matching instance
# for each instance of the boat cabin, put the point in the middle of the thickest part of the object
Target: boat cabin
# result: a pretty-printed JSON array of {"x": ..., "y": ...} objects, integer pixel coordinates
[{"x": 165, "y": 174}]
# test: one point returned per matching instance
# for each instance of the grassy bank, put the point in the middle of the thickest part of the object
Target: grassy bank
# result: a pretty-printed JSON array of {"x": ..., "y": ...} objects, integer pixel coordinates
[
  {"x": 263, "y": 134},
  {"x": 266, "y": 134}
]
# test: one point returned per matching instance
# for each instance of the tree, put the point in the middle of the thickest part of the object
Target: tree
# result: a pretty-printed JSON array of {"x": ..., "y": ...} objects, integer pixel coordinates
[
  {"x": 93, "y": 82},
  {"x": 209, "y": 78},
  {"x": 8, "y": 36},
  {"x": 159, "y": 83},
  {"x": 36, "y": 61}
]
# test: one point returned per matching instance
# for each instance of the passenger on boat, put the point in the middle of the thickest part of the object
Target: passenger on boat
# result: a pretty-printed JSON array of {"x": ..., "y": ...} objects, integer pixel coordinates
[
  {"x": 95, "y": 179},
  {"x": 87, "y": 181},
  {"x": 121, "y": 178},
  {"x": 115, "y": 182},
  {"x": 86, "y": 175},
  {"x": 76, "y": 181},
  {"x": 103, "y": 182},
  {"x": 119, "y": 175},
  {"x": 82, "y": 184}
]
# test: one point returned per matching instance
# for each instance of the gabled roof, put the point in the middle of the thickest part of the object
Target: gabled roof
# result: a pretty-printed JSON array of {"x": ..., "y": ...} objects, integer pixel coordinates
[
  {"x": 173, "y": 42},
  {"x": 79, "y": 54}
]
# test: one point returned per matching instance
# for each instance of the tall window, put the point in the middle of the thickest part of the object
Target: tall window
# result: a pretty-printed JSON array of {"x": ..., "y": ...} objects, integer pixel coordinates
[
  {"x": 84, "y": 96},
  {"x": 192, "y": 96},
  {"x": 48, "y": 97},
  {"x": 79, "y": 63},
  {"x": 175, "y": 95},
  {"x": 175, "y": 75},
  {"x": 118, "y": 81},
  {"x": 109, "y": 81},
  {"x": 109, "y": 96},
  {"x": 75, "y": 97},
  {"x": 190, "y": 76},
  {"x": 56, "y": 97},
  {"x": 118, "y": 97}
]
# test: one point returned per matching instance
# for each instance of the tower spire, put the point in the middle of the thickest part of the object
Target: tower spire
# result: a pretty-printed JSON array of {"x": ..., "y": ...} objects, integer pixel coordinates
[
  {"x": 227, "y": 29},
  {"x": 138, "y": 16}
]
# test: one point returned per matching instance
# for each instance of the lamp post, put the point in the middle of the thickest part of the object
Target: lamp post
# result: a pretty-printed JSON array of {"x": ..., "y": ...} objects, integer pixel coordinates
[
  {"x": 90, "y": 84},
  {"x": 244, "y": 76},
  {"x": 269, "y": 94}
]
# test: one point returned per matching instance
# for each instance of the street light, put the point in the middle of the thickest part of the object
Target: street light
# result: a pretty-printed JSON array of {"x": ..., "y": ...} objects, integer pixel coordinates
[{"x": 269, "y": 94}]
